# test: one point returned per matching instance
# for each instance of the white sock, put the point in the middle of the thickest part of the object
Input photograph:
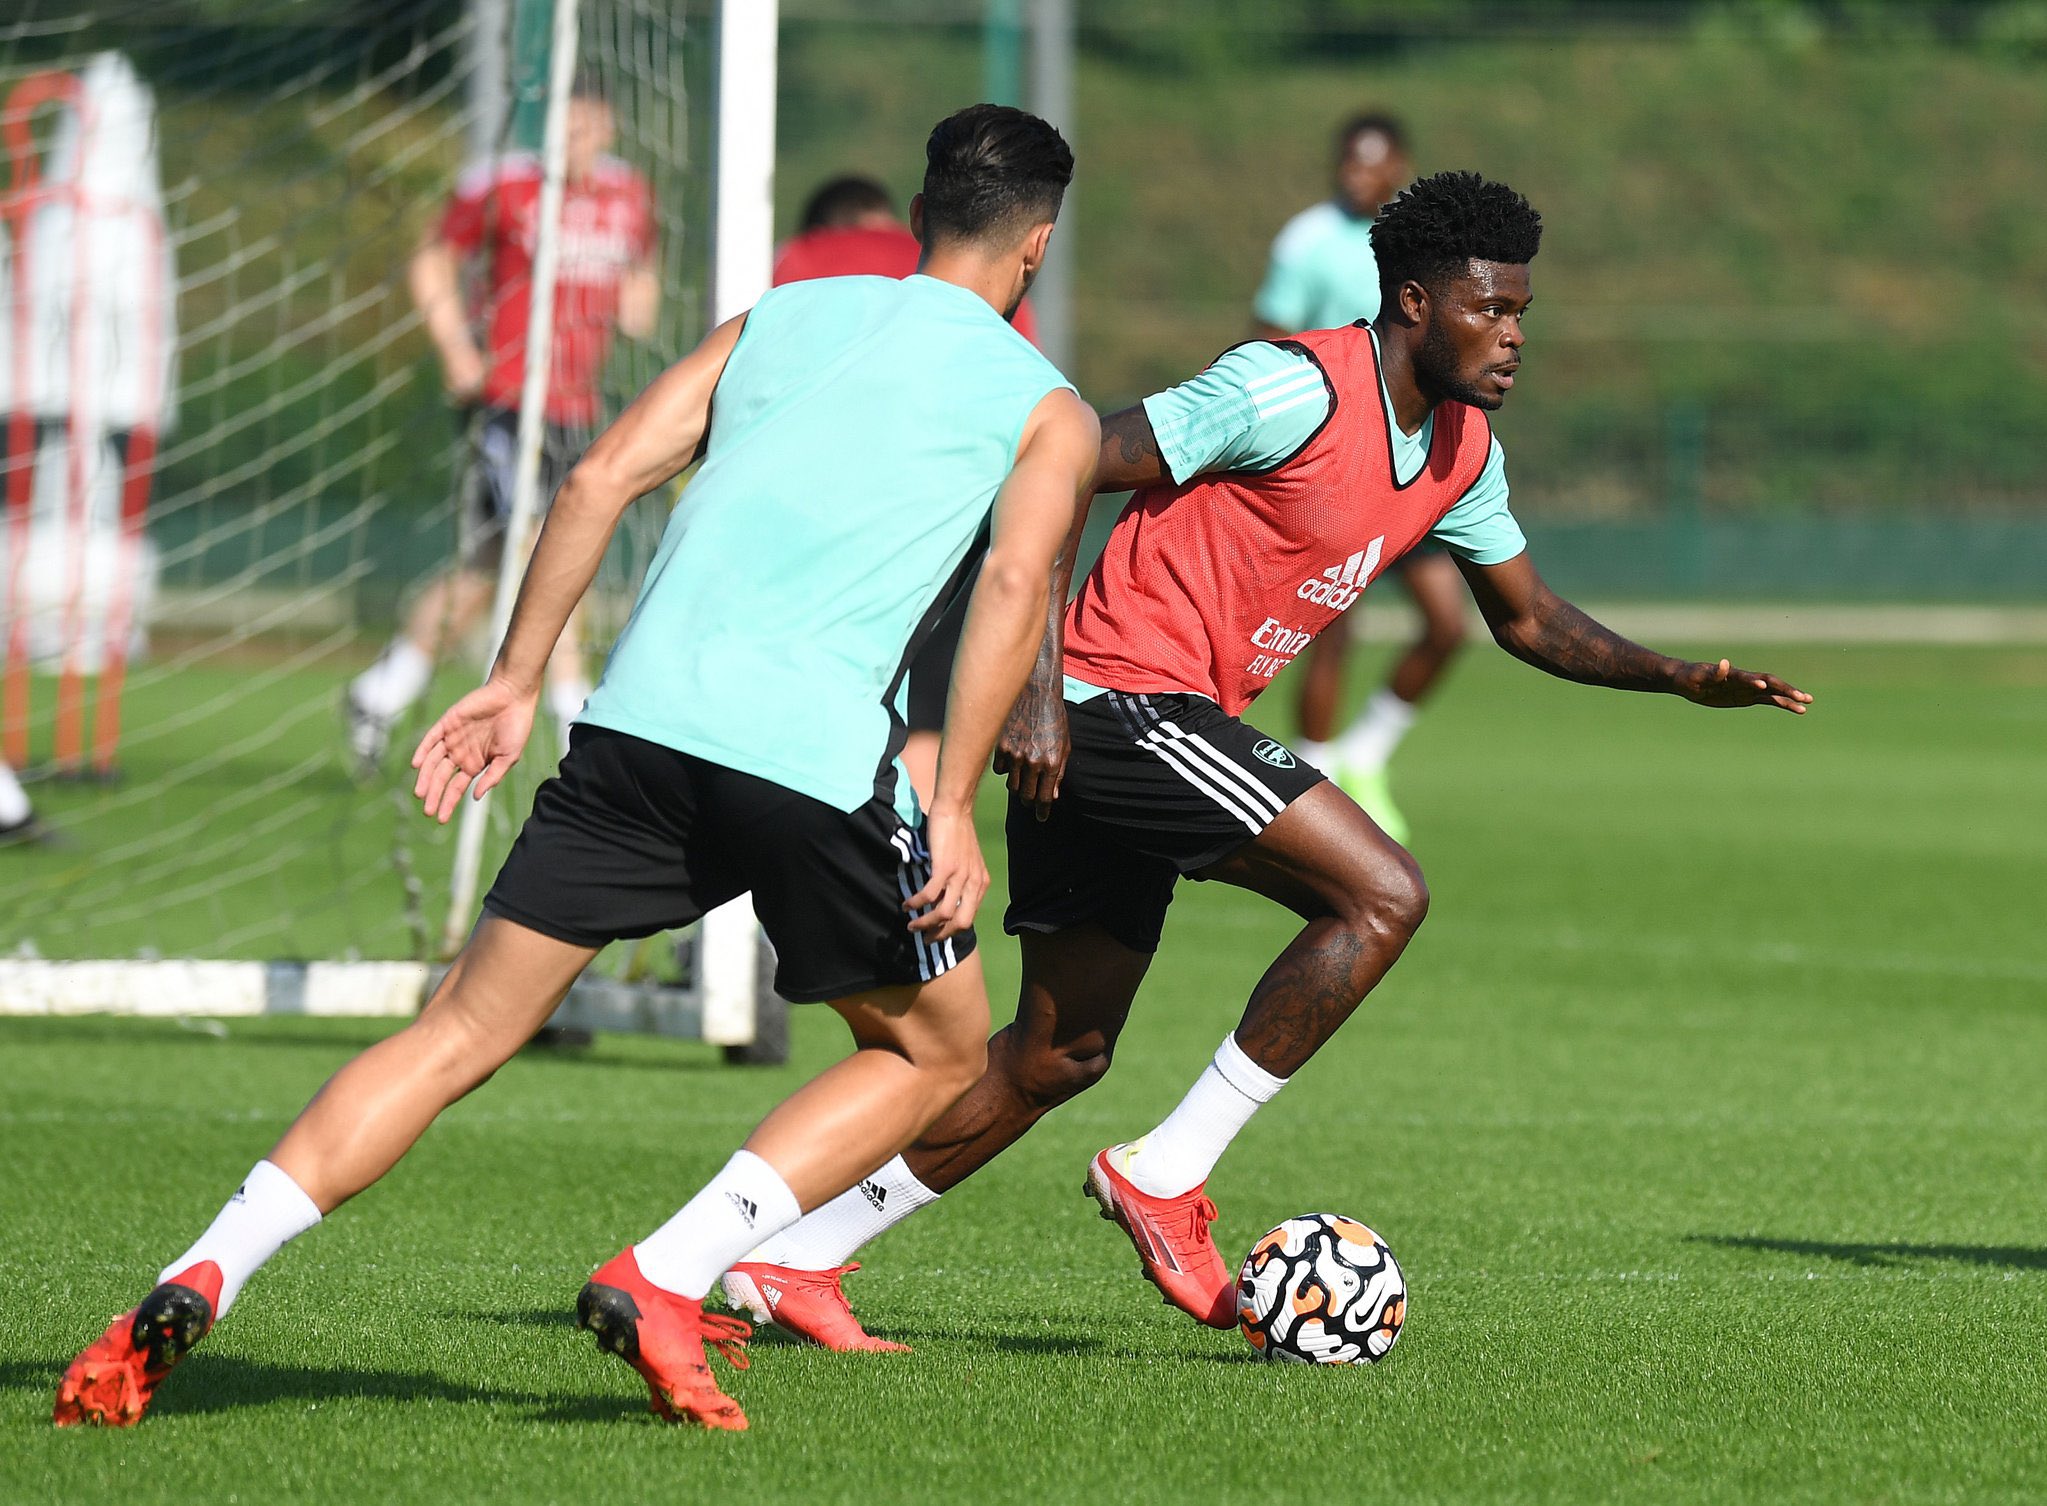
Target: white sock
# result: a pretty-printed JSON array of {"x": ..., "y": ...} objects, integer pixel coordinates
[
  {"x": 266, "y": 1213},
  {"x": 739, "y": 1207},
  {"x": 396, "y": 680},
  {"x": 826, "y": 1237},
  {"x": 1369, "y": 742},
  {"x": 1312, "y": 752},
  {"x": 14, "y": 807},
  {"x": 1178, "y": 1156}
]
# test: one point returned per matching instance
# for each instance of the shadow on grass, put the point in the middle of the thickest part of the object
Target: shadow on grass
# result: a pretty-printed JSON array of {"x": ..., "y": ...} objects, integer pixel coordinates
[
  {"x": 228, "y": 1383},
  {"x": 2009, "y": 1257}
]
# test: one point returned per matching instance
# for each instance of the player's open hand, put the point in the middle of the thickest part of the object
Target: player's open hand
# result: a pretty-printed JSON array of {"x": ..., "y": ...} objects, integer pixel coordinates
[
  {"x": 472, "y": 746},
  {"x": 1723, "y": 685},
  {"x": 958, "y": 877},
  {"x": 1034, "y": 745}
]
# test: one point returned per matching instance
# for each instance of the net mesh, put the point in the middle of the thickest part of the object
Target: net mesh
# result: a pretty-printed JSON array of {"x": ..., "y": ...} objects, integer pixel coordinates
[{"x": 211, "y": 602}]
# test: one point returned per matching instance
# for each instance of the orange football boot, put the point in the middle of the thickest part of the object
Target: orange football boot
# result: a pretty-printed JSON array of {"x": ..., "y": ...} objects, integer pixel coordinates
[
  {"x": 112, "y": 1383},
  {"x": 808, "y": 1304},
  {"x": 663, "y": 1336},
  {"x": 1173, "y": 1243}
]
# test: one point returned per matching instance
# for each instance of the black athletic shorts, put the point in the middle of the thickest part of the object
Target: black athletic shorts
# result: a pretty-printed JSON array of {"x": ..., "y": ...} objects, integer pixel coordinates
[
  {"x": 1156, "y": 786},
  {"x": 489, "y": 473},
  {"x": 931, "y": 670},
  {"x": 632, "y": 837}
]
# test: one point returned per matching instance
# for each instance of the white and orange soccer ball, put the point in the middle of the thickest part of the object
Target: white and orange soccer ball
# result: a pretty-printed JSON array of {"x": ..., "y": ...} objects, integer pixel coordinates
[{"x": 1321, "y": 1290}]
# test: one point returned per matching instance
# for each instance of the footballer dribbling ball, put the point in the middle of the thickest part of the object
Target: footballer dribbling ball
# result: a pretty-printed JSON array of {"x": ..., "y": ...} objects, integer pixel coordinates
[{"x": 1321, "y": 1290}]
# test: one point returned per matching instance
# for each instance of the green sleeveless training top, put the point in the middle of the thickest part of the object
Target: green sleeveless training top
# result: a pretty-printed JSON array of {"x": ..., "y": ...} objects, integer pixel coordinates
[{"x": 859, "y": 434}]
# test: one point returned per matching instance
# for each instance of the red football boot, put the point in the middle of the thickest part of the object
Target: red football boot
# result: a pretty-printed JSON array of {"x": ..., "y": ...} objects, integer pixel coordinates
[
  {"x": 663, "y": 1336},
  {"x": 112, "y": 1382},
  {"x": 1173, "y": 1243},
  {"x": 808, "y": 1304}
]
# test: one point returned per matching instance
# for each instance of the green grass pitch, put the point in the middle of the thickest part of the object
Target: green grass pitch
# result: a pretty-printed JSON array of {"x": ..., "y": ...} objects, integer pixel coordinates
[{"x": 1707, "y": 1115}]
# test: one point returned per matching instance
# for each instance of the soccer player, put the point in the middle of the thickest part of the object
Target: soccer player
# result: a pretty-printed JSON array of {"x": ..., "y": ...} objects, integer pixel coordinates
[
  {"x": 861, "y": 438},
  {"x": 1251, "y": 505},
  {"x": 850, "y": 229},
  {"x": 1323, "y": 275},
  {"x": 605, "y": 278}
]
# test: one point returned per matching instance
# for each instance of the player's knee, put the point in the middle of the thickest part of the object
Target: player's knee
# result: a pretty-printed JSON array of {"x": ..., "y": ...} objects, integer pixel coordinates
[{"x": 1394, "y": 901}]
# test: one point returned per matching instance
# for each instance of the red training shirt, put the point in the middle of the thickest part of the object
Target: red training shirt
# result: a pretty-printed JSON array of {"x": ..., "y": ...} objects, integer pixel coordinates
[{"x": 607, "y": 230}]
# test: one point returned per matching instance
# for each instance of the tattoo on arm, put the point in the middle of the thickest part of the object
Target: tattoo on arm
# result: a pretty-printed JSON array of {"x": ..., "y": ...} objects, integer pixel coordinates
[
  {"x": 1565, "y": 642},
  {"x": 1135, "y": 446}
]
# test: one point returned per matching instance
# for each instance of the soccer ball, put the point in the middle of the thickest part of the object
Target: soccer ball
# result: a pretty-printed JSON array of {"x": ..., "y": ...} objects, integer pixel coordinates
[{"x": 1321, "y": 1290}]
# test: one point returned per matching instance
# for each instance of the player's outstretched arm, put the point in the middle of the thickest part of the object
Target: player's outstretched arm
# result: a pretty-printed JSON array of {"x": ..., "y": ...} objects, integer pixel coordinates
[
  {"x": 482, "y": 735},
  {"x": 1537, "y": 626},
  {"x": 1005, "y": 627}
]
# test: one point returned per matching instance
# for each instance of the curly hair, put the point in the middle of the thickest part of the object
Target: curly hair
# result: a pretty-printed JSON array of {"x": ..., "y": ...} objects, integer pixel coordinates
[
  {"x": 990, "y": 170},
  {"x": 1438, "y": 224}
]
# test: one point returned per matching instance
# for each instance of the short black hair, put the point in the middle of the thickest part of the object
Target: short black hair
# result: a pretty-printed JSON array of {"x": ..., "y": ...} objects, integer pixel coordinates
[
  {"x": 991, "y": 171},
  {"x": 843, "y": 201},
  {"x": 589, "y": 84},
  {"x": 1436, "y": 225},
  {"x": 1370, "y": 123}
]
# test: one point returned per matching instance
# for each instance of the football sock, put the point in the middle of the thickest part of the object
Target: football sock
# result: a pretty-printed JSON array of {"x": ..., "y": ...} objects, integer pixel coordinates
[
  {"x": 826, "y": 1237},
  {"x": 1178, "y": 1156},
  {"x": 266, "y": 1213},
  {"x": 743, "y": 1204},
  {"x": 14, "y": 807},
  {"x": 395, "y": 681},
  {"x": 1369, "y": 743}
]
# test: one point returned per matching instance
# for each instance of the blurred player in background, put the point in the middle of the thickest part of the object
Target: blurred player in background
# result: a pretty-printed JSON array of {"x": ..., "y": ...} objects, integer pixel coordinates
[
  {"x": 1131, "y": 767},
  {"x": 17, "y": 817},
  {"x": 605, "y": 280},
  {"x": 861, "y": 445},
  {"x": 1322, "y": 275},
  {"x": 850, "y": 229}
]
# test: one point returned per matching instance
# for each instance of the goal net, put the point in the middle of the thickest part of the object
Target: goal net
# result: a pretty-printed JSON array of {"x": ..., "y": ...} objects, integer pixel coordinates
[{"x": 236, "y": 458}]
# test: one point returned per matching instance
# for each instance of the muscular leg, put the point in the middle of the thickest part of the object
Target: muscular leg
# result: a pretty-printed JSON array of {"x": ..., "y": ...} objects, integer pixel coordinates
[
  {"x": 448, "y": 608},
  {"x": 1076, "y": 993},
  {"x": 1322, "y": 681},
  {"x": 911, "y": 1063},
  {"x": 1363, "y": 899},
  {"x": 502, "y": 988},
  {"x": 1077, "y": 988}
]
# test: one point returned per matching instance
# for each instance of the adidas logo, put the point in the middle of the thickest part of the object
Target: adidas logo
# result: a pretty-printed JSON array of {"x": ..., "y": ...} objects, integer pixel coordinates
[
  {"x": 1340, "y": 585},
  {"x": 876, "y": 1194},
  {"x": 748, "y": 1208}
]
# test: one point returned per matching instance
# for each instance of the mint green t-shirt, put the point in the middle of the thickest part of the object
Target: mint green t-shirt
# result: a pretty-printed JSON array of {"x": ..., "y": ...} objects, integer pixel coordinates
[
  {"x": 859, "y": 435},
  {"x": 1322, "y": 273}
]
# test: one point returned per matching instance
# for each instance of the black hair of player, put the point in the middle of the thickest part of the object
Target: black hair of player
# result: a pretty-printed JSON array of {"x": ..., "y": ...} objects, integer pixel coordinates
[
  {"x": 589, "y": 85},
  {"x": 845, "y": 201},
  {"x": 1437, "y": 226},
  {"x": 990, "y": 173},
  {"x": 1370, "y": 123}
]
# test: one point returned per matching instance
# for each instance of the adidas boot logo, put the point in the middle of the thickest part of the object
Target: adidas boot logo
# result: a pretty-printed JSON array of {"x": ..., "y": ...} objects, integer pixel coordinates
[
  {"x": 876, "y": 1194},
  {"x": 748, "y": 1208},
  {"x": 1340, "y": 585}
]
